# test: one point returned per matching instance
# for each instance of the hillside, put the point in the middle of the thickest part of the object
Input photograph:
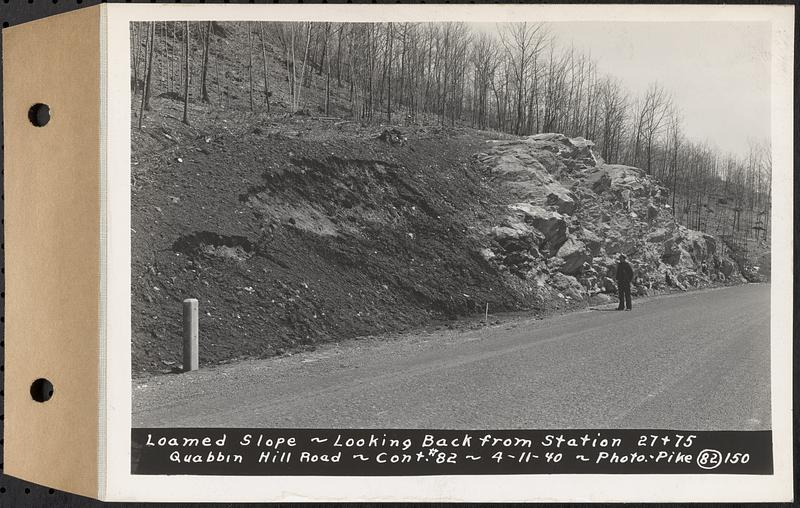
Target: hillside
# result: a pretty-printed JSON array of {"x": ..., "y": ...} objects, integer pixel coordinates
[
  {"x": 296, "y": 229},
  {"x": 293, "y": 230}
]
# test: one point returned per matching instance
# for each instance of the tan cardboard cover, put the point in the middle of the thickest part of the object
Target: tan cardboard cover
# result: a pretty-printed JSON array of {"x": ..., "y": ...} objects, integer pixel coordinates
[{"x": 52, "y": 239}]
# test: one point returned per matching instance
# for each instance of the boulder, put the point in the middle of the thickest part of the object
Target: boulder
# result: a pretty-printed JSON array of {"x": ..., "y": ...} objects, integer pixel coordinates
[
  {"x": 618, "y": 179},
  {"x": 657, "y": 236},
  {"x": 551, "y": 224},
  {"x": 589, "y": 278},
  {"x": 675, "y": 254},
  {"x": 652, "y": 211},
  {"x": 598, "y": 180},
  {"x": 574, "y": 253},
  {"x": 617, "y": 245},
  {"x": 600, "y": 299},
  {"x": 519, "y": 263},
  {"x": 516, "y": 236},
  {"x": 672, "y": 280},
  {"x": 519, "y": 170},
  {"x": 562, "y": 199},
  {"x": 726, "y": 267},
  {"x": 568, "y": 285},
  {"x": 549, "y": 136},
  {"x": 593, "y": 242}
]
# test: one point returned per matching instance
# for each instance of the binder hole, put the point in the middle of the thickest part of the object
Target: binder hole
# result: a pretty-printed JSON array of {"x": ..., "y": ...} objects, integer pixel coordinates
[
  {"x": 27, "y": 490},
  {"x": 2, "y": 490},
  {"x": 41, "y": 390},
  {"x": 39, "y": 114}
]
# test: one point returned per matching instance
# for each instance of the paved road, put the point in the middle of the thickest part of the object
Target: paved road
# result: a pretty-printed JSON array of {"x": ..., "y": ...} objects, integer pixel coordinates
[{"x": 695, "y": 361}]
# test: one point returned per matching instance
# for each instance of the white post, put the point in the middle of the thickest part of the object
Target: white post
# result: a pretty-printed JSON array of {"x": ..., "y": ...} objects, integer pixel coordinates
[
  {"x": 486, "y": 314},
  {"x": 191, "y": 357}
]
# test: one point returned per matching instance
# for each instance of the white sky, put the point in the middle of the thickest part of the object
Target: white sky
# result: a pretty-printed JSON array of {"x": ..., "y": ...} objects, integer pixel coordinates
[{"x": 718, "y": 73}]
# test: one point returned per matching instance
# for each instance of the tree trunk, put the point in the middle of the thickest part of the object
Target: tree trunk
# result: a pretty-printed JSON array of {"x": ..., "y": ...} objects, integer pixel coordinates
[
  {"x": 148, "y": 68},
  {"x": 327, "y": 79},
  {"x": 389, "y": 95},
  {"x": 165, "y": 66},
  {"x": 186, "y": 78},
  {"x": 303, "y": 73},
  {"x": 339, "y": 57},
  {"x": 204, "y": 73},
  {"x": 149, "y": 72},
  {"x": 266, "y": 74},
  {"x": 219, "y": 84},
  {"x": 293, "y": 76},
  {"x": 135, "y": 57},
  {"x": 250, "y": 61}
]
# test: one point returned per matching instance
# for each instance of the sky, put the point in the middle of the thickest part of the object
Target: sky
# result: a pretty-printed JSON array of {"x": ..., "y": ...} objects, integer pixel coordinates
[{"x": 718, "y": 73}]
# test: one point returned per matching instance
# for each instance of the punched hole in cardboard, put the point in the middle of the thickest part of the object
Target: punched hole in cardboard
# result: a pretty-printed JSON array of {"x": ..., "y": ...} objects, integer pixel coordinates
[
  {"x": 42, "y": 390},
  {"x": 39, "y": 114}
]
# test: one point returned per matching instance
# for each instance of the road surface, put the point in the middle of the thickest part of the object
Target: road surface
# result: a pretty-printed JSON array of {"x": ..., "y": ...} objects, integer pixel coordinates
[{"x": 694, "y": 361}]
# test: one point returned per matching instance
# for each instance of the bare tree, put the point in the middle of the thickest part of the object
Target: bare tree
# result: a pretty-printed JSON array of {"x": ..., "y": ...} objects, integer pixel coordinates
[
  {"x": 151, "y": 43},
  {"x": 523, "y": 42},
  {"x": 148, "y": 71},
  {"x": 266, "y": 73},
  {"x": 204, "y": 70},
  {"x": 250, "y": 61},
  {"x": 186, "y": 77}
]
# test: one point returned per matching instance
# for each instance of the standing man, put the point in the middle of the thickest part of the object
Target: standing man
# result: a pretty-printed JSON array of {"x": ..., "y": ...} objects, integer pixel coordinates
[{"x": 624, "y": 278}]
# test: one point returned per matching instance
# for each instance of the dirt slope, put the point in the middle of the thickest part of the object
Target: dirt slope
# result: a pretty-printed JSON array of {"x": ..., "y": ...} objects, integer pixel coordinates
[
  {"x": 289, "y": 240},
  {"x": 292, "y": 231}
]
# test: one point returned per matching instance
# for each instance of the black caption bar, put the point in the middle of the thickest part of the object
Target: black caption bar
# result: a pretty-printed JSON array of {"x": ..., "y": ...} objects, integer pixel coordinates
[{"x": 398, "y": 452}]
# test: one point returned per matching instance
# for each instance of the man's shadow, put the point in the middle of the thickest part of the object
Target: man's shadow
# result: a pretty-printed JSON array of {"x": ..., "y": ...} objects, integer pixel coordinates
[{"x": 603, "y": 310}]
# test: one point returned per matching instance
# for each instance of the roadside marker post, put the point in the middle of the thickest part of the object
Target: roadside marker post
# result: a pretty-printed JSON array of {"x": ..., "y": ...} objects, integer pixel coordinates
[{"x": 191, "y": 356}]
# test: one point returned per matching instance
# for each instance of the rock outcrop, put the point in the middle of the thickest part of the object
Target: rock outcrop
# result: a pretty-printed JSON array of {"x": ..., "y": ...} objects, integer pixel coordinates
[{"x": 570, "y": 215}]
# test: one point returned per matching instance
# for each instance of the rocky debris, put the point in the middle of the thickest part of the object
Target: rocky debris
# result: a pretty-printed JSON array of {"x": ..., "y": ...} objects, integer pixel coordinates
[
  {"x": 585, "y": 213},
  {"x": 575, "y": 254},
  {"x": 625, "y": 182},
  {"x": 550, "y": 224},
  {"x": 516, "y": 236},
  {"x": 332, "y": 231},
  {"x": 568, "y": 286},
  {"x": 518, "y": 247},
  {"x": 593, "y": 242},
  {"x": 601, "y": 299},
  {"x": 561, "y": 200},
  {"x": 652, "y": 211},
  {"x": 657, "y": 236},
  {"x": 609, "y": 285},
  {"x": 726, "y": 267},
  {"x": 688, "y": 248}
]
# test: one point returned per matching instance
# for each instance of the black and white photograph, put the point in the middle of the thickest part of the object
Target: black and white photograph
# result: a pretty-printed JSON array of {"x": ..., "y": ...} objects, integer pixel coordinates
[{"x": 451, "y": 225}]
